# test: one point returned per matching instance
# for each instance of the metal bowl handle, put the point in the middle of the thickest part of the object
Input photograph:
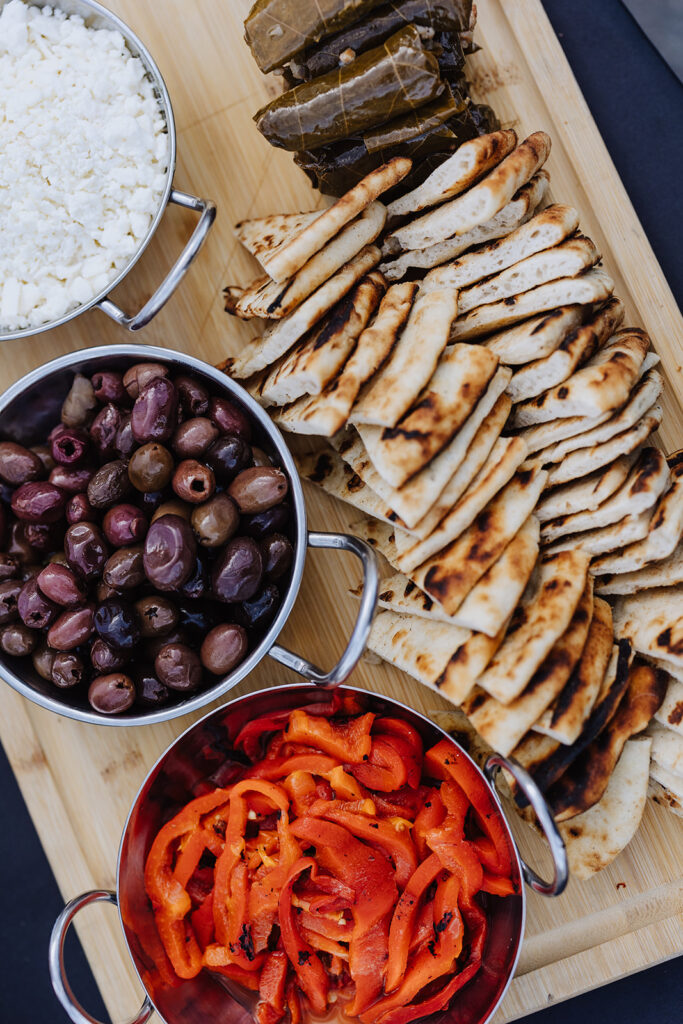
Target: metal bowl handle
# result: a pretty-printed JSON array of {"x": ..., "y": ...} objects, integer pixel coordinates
[
  {"x": 207, "y": 209},
  {"x": 545, "y": 820},
  {"x": 58, "y": 977},
  {"x": 358, "y": 639}
]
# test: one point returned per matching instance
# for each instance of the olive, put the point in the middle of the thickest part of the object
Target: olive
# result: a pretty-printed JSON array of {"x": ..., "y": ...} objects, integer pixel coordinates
[
  {"x": 80, "y": 402},
  {"x": 259, "y": 457},
  {"x": 193, "y": 437},
  {"x": 35, "y": 610},
  {"x": 174, "y": 507},
  {"x": 273, "y": 520},
  {"x": 108, "y": 386},
  {"x": 156, "y": 615},
  {"x": 125, "y": 443},
  {"x": 124, "y": 524},
  {"x": 72, "y": 479},
  {"x": 44, "y": 537},
  {"x": 149, "y": 691},
  {"x": 193, "y": 481},
  {"x": 44, "y": 453},
  {"x": 69, "y": 446},
  {"x": 18, "y": 546},
  {"x": 153, "y": 417},
  {"x": 193, "y": 396},
  {"x": 229, "y": 418},
  {"x": 67, "y": 669},
  {"x": 227, "y": 457},
  {"x": 9, "y": 596},
  {"x": 215, "y": 521},
  {"x": 85, "y": 549},
  {"x": 260, "y": 609},
  {"x": 17, "y": 640},
  {"x": 277, "y": 553},
  {"x": 104, "y": 429},
  {"x": 105, "y": 658},
  {"x": 111, "y": 694},
  {"x": 151, "y": 467},
  {"x": 238, "y": 572},
  {"x": 19, "y": 465},
  {"x": 178, "y": 667},
  {"x": 61, "y": 585},
  {"x": 9, "y": 567},
  {"x": 223, "y": 648},
  {"x": 124, "y": 569},
  {"x": 109, "y": 484},
  {"x": 258, "y": 488},
  {"x": 72, "y": 628},
  {"x": 43, "y": 659},
  {"x": 38, "y": 502},
  {"x": 79, "y": 509},
  {"x": 170, "y": 552},
  {"x": 154, "y": 643},
  {"x": 136, "y": 377},
  {"x": 117, "y": 624}
]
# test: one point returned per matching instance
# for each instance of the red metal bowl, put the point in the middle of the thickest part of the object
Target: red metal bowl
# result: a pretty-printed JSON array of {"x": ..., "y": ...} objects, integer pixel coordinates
[{"x": 201, "y": 752}]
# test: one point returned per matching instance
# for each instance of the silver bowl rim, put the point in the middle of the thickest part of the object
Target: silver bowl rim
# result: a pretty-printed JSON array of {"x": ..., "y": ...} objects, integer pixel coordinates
[
  {"x": 147, "y": 353},
  {"x": 164, "y": 100}
]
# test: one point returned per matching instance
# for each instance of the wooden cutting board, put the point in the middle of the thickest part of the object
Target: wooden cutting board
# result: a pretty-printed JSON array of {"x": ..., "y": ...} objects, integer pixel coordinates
[{"x": 79, "y": 780}]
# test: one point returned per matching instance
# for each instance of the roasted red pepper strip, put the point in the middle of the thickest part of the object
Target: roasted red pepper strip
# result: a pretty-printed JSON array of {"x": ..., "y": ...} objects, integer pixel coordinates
[
  {"x": 410, "y": 745},
  {"x": 249, "y": 979},
  {"x": 271, "y": 1004},
  {"x": 265, "y": 891},
  {"x": 347, "y": 741},
  {"x": 309, "y": 970},
  {"x": 497, "y": 886},
  {"x": 459, "y": 857},
  {"x": 180, "y": 944},
  {"x": 368, "y": 959},
  {"x": 293, "y": 1003},
  {"x": 431, "y": 814},
  {"x": 385, "y": 769},
  {"x": 329, "y": 927},
  {"x": 202, "y": 922},
  {"x": 279, "y": 767},
  {"x": 405, "y": 915},
  {"x": 398, "y": 845}
]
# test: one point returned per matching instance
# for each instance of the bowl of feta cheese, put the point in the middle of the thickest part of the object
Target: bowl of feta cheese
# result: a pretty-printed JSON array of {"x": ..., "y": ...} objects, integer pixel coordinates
[{"x": 87, "y": 157}]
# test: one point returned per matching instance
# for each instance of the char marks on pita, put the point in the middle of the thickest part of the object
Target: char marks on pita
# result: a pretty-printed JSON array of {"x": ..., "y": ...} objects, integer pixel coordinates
[
  {"x": 670, "y": 714},
  {"x": 665, "y": 573},
  {"x": 535, "y": 338},
  {"x": 653, "y": 623},
  {"x": 585, "y": 493}
]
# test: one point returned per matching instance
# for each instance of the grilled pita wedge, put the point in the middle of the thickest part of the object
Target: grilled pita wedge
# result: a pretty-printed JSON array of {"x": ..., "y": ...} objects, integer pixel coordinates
[
  {"x": 653, "y": 622},
  {"x": 607, "y": 538},
  {"x": 379, "y": 535},
  {"x": 535, "y": 338},
  {"x": 670, "y": 714},
  {"x": 666, "y": 573},
  {"x": 399, "y": 594},
  {"x": 667, "y": 747},
  {"x": 586, "y": 493},
  {"x": 666, "y": 789},
  {"x": 261, "y": 235}
]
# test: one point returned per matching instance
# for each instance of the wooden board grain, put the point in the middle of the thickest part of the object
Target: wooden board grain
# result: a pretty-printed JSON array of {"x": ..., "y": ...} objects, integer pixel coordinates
[{"x": 78, "y": 780}]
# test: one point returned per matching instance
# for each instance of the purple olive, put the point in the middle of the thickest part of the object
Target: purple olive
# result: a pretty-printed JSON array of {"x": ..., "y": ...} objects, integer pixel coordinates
[
  {"x": 124, "y": 524},
  {"x": 72, "y": 628},
  {"x": 193, "y": 437},
  {"x": 238, "y": 572},
  {"x": 111, "y": 694},
  {"x": 67, "y": 669},
  {"x": 38, "y": 502},
  {"x": 35, "y": 610},
  {"x": 18, "y": 640},
  {"x": 44, "y": 453},
  {"x": 230, "y": 418},
  {"x": 215, "y": 521},
  {"x": 69, "y": 446},
  {"x": 116, "y": 623},
  {"x": 223, "y": 648},
  {"x": 72, "y": 479},
  {"x": 154, "y": 413},
  {"x": 227, "y": 457},
  {"x": 18, "y": 546},
  {"x": 124, "y": 569},
  {"x": 178, "y": 667},
  {"x": 86, "y": 549},
  {"x": 19, "y": 465},
  {"x": 105, "y": 658},
  {"x": 79, "y": 509},
  {"x": 104, "y": 430},
  {"x": 9, "y": 567},
  {"x": 9, "y": 597},
  {"x": 150, "y": 691},
  {"x": 61, "y": 585},
  {"x": 43, "y": 659},
  {"x": 136, "y": 377},
  {"x": 124, "y": 444},
  {"x": 170, "y": 552},
  {"x": 44, "y": 537},
  {"x": 109, "y": 484},
  {"x": 157, "y": 616},
  {"x": 193, "y": 481},
  {"x": 277, "y": 553},
  {"x": 193, "y": 396},
  {"x": 259, "y": 488},
  {"x": 108, "y": 387}
]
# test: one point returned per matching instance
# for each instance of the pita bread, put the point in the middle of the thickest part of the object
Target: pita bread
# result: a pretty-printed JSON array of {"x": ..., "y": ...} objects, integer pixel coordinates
[
  {"x": 450, "y": 576},
  {"x": 421, "y": 647},
  {"x": 647, "y": 480},
  {"x": 544, "y": 436},
  {"x": 326, "y": 413},
  {"x": 607, "y": 538},
  {"x": 279, "y": 338},
  {"x": 540, "y": 234},
  {"x": 416, "y": 498},
  {"x": 506, "y": 456},
  {"x": 603, "y": 384},
  {"x": 653, "y": 622},
  {"x": 535, "y": 338},
  {"x": 516, "y": 212},
  {"x": 412, "y": 362},
  {"x": 469, "y": 661},
  {"x": 379, "y": 535},
  {"x": 574, "y": 350},
  {"x": 399, "y": 594},
  {"x": 643, "y": 397},
  {"x": 588, "y": 460},
  {"x": 316, "y": 360},
  {"x": 532, "y": 752},
  {"x": 480, "y": 203},
  {"x": 470, "y": 161},
  {"x": 586, "y": 779},
  {"x": 458, "y": 383},
  {"x": 670, "y": 714},
  {"x": 667, "y": 749},
  {"x": 595, "y": 838},
  {"x": 545, "y": 615},
  {"x": 564, "y": 719},
  {"x": 261, "y": 235},
  {"x": 567, "y": 259},
  {"x": 285, "y": 259},
  {"x": 665, "y": 797},
  {"x": 587, "y": 493},
  {"x": 593, "y": 286},
  {"x": 666, "y": 573},
  {"x": 664, "y": 535}
]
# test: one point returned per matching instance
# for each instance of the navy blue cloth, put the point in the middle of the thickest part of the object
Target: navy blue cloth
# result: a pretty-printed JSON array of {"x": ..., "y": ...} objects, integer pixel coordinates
[{"x": 637, "y": 103}]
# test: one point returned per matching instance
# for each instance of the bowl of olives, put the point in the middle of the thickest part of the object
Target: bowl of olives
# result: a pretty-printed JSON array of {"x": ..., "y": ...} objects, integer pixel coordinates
[{"x": 152, "y": 537}]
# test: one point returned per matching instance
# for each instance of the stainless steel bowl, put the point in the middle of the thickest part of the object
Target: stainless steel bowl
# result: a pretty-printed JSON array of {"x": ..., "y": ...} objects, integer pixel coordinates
[
  {"x": 193, "y": 759},
  {"x": 30, "y": 408},
  {"x": 97, "y": 16}
]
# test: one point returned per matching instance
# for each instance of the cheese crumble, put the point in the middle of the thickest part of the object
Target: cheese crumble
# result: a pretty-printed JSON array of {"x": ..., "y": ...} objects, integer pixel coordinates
[{"x": 83, "y": 161}]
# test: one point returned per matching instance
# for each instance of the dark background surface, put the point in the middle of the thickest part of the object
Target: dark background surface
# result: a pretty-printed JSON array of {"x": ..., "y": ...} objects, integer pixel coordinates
[{"x": 637, "y": 103}]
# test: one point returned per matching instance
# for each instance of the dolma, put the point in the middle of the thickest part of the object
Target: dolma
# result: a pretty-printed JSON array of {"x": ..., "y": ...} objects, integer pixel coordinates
[
  {"x": 417, "y": 122},
  {"x": 443, "y": 16},
  {"x": 276, "y": 30},
  {"x": 390, "y": 80}
]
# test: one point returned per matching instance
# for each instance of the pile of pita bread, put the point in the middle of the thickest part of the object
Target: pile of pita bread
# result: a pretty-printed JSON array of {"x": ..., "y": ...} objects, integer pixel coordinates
[{"x": 458, "y": 362}]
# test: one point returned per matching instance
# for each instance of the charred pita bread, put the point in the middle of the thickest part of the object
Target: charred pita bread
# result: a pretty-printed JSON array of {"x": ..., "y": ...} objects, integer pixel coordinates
[
  {"x": 315, "y": 361},
  {"x": 261, "y": 235},
  {"x": 593, "y": 286},
  {"x": 667, "y": 749},
  {"x": 379, "y": 535},
  {"x": 469, "y": 163},
  {"x": 595, "y": 838},
  {"x": 458, "y": 383},
  {"x": 569, "y": 258},
  {"x": 279, "y": 338},
  {"x": 664, "y": 535},
  {"x": 665, "y": 573},
  {"x": 421, "y": 647},
  {"x": 412, "y": 362},
  {"x": 603, "y": 384},
  {"x": 535, "y": 338},
  {"x": 543, "y": 438},
  {"x": 575, "y": 349},
  {"x": 606, "y": 538},
  {"x": 653, "y": 622},
  {"x": 540, "y": 620},
  {"x": 516, "y": 212},
  {"x": 506, "y": 456},
  {"x": 565, "y": 718},
  {"x": 326, "y": 413},
  {"x": 450, "y": 576},
  {"x": 480, "y": 203},
  {"x": 587, "y": 493},
  {"x": 670, "y": 714},
  {"x": 285, "y": 259},
  {"x": 658, "y": 792},
  {"x": 399, "y": 594},
  {"x": 648, "y": 478}
]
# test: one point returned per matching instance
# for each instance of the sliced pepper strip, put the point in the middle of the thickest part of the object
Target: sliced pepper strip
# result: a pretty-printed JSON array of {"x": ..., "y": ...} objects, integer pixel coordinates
[
  {"x": 431, "y": 815},
  {"x": 202, "y": 922},
  {"x": 347, "y": 741},
  {"x": 310, "y": 972},
  {"x": 410, "y": 745},
  {"x": 398, "y": 845},
  {"x": 404, "y": 917},
  {"x": 271, "y": 1004},
  {"x": 279, "y": 767},
  {"x": 385, "y": 768},
  {"x": 180, "y": 944}
]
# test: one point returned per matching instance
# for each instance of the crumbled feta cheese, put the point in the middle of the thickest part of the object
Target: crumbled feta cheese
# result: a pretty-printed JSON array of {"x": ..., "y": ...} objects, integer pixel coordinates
[{"x": 83, "y": 161}]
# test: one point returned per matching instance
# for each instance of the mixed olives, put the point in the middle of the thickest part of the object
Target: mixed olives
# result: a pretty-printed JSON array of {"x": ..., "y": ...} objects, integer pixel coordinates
[{"x": 145, "y": 541}]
